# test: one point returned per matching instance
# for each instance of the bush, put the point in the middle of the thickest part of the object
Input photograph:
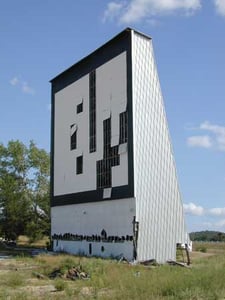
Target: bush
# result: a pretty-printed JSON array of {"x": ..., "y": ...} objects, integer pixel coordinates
[
  {"x": 60, "y": 285},
  {"x": 14, "y": 280}
]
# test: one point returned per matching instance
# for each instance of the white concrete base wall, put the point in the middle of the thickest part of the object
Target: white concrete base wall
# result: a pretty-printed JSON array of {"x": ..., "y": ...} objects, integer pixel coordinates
[
  {"x": 88, "y": 219},
  {"x": 82, "y": 248}
]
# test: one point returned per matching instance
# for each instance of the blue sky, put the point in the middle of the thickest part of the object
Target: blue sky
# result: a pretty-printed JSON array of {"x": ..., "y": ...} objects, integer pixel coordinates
[{"x": 39, "y": 39}]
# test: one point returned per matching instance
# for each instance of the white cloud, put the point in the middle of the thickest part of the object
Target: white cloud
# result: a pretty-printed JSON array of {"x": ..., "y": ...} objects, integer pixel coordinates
[
  {"x": 136, "y": 10},
  {"x": 215, "y": 137},
  {"x": 213, "y": 218},
  {"x": 197, "y": 210},
  {"x": 220, "y": 7},
  {"x": 203, "y": 141},
  {"x": 217, "y": 211},
  {"x": 25, "y": 88},
  {"x": 14, "y": 81},
  {"x": 112, "y": 11},
  {"x": 193, "y": 209},
  {"x": 218, "y": 131}
]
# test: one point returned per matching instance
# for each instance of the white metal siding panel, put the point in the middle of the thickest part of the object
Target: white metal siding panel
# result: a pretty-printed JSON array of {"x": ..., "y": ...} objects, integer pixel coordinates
[{"x": 158, "y": 201}]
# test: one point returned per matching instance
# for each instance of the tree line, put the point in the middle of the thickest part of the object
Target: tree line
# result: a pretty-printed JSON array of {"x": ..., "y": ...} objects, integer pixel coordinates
[
  {"x": 24, "y": 191},
  {"x": 208, "y": 236}
]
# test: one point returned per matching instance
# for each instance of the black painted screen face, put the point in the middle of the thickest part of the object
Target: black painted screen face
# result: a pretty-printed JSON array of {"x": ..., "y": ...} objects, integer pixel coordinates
[{"x": 93, "y": 113}]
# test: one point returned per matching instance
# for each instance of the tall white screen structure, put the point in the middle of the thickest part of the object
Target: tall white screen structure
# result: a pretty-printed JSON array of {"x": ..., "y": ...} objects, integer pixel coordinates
[{"x": 114, "y": 189}]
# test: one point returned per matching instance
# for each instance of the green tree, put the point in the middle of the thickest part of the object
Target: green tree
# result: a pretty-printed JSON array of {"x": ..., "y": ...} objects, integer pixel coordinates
[
  {"x": 24, "y": 190},
  {"x": 39, "y": 163}
]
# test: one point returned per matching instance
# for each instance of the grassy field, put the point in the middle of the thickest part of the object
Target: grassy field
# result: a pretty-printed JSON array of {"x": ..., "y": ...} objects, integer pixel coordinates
[{"x": 28, "y": 278}]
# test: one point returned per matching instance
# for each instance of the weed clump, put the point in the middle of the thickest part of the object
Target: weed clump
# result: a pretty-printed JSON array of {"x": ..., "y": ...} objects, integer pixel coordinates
[
  {"x": 60, "y": 285},
  {"x": 14, "y": 280}
]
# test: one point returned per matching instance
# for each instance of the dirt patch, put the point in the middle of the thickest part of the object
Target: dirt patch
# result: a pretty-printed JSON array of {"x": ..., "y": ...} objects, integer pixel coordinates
[
  {"x": 14, "y": 265},
  {"x": 39, "y": 290},
  {"x": 87, "y": 291},
  {"x": 197, "y": 254}
]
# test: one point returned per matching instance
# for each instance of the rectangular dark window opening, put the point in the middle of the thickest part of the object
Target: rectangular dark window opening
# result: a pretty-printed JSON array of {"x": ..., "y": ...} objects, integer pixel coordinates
[
  {"x": 80, "y": 164},
  {"x": 92, "y": 111},
  {"x": 73, "y": 136},
  {"x": 90, "y": 249},
  {"x": 123, "y": 128},
  {"x": 80, "y": 107}
]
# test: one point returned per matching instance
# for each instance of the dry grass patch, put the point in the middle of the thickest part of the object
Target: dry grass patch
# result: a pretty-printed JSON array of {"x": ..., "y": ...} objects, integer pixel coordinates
[
  {"x": 211, "y": 247},
  {"x": 196, "y": 255},
  {"x": 112, "y": 280},
  {"x": 24, "y": 242}
]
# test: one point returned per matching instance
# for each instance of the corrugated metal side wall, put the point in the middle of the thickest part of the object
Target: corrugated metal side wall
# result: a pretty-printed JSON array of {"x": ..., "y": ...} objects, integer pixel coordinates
[{"x": 158, "y": 201}]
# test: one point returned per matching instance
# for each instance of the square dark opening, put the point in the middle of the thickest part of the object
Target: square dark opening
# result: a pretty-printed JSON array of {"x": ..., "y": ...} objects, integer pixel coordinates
[{"x": 80, "y": 108}]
